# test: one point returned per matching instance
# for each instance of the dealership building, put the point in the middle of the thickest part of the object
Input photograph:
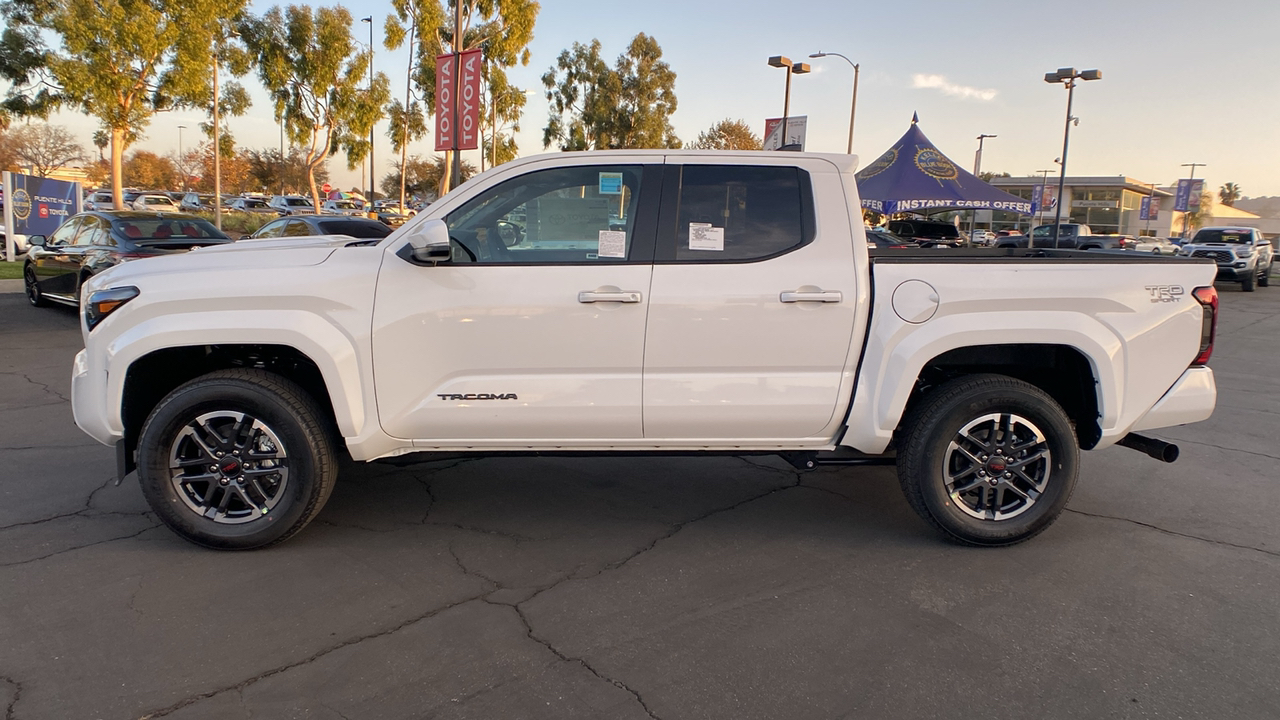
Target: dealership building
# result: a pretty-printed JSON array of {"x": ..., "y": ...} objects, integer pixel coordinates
[{"x": 1109, "y": 205}]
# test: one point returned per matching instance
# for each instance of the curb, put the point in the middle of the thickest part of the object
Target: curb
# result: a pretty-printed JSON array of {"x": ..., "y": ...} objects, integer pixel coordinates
[{"x": 11, "y": 286}]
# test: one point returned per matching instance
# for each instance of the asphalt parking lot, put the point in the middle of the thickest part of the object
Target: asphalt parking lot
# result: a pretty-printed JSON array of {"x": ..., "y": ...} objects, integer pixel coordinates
[{"x": 657, "y": 588}]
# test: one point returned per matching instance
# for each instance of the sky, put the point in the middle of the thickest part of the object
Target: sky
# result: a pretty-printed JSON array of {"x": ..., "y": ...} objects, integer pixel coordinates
[{"x": 1181, "y": 81}]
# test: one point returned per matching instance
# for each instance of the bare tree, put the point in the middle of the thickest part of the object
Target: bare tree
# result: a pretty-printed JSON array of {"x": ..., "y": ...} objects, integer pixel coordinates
[{"x": 45, "y": 147}]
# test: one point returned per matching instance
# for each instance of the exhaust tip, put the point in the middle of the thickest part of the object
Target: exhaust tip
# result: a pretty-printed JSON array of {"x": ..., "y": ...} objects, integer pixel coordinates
[{"x": 1158, "y": 449}]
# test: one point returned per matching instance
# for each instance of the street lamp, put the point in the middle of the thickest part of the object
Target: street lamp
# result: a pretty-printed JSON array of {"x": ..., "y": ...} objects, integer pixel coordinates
[
  {"x": 182, "y": 161},
  {"x": 781, "y": 61},
  {"x": 373, "y": 169},
  {"x": 853, "y": 108},
  {"x": 1068, "y": 77},
  {"x": 977, "y": 168}
]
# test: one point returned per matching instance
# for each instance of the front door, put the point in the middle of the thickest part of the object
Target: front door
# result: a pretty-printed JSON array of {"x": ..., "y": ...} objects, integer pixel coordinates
[
  {"x": 752, "y": 308},
  {"x": 534, "y": 330}
]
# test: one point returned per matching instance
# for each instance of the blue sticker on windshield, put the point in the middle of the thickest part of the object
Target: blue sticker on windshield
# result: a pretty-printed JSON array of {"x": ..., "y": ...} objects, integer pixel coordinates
[{"x": 610, "y": 183}]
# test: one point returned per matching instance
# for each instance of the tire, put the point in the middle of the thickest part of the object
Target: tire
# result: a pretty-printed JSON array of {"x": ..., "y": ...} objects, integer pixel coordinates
[
  {"x": 932, "y": 448},
  {"x": 1247, "y": 283},
  {"x": 287, "y": 435},
  {"x": 1264, "y": 277},
  {"x": 32, "y": 288}
]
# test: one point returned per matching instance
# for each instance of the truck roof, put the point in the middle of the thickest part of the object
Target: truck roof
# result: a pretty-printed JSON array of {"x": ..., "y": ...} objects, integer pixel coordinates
[{"x": 845, "y": 163}]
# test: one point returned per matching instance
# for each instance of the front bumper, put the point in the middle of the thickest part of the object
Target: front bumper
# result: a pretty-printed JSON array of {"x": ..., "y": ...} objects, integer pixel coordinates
[
  {"x": 1227, "y": 272},
  {"x": 88, "y": 401},
  {"x": 1191, "y": 399}
]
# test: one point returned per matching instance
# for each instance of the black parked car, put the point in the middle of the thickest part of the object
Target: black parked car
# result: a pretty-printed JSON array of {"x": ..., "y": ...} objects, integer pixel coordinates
[
  {"x": 86, "y": 244},
  {"x": 302, "y": 225},
  {"x": 928, "y": 233},
  {"x": 882, "y": 239}
]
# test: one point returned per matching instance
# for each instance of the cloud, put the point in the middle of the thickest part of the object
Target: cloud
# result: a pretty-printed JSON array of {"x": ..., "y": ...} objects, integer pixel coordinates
[{"x": 939, "y": 82}]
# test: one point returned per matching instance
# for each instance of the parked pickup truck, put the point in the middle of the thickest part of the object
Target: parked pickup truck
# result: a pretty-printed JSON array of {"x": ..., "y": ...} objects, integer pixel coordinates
[
  {"x": 1071, "y": 236},
  {"x": 1241, "y": 253},
  {"x": 637, "y": 302}
]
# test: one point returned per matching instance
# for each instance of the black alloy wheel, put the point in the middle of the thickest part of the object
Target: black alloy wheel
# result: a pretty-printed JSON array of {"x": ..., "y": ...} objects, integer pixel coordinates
[
  {"x": 32, "y": 288},
  {"x": 988, "y": 460},
  {"x": 237, "y": 459}
]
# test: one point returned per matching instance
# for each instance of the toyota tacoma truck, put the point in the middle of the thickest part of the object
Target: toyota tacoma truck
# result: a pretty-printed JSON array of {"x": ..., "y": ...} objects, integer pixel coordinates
[
  {"x": 632, "y": 303},
  {"x": 1241, "y": 253}
]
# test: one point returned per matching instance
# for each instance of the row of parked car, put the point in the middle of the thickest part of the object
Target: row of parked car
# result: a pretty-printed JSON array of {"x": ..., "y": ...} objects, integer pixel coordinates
[
  {"x": 389, "y": 212},
  {"x": 56, "y": 267}
]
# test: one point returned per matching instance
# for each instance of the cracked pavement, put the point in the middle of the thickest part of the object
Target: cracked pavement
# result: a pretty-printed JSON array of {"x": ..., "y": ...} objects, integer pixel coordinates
[{"x": 644, "y": 588}]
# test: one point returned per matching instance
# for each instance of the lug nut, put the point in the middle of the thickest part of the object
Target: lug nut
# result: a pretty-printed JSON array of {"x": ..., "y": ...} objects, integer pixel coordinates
[
  {"x": 1008, "y": 475},
  {"x": 213, "y": 468},
  {"x": 218, "y": 453},
  {"x": 223, "y": 481}
]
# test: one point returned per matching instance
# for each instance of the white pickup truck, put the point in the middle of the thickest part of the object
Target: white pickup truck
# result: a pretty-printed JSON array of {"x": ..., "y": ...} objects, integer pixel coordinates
[{"x": 637, "y": 302}]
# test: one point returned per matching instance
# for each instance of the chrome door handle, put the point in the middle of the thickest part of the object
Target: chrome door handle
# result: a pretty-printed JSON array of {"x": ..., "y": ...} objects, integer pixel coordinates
[
  {"x": 622, "y": 296},
  {"x": 822, "y": 296}
]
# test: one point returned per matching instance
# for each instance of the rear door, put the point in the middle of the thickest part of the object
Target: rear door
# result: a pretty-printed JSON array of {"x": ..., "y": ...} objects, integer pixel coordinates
[
  {"x": 534, "y": 330},
  {"x": 752, "y": 308}
]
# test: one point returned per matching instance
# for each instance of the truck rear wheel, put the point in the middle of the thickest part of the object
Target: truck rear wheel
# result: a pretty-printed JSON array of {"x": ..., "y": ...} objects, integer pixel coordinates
[
  {"x": 236, "y": 460},
  {"x": 988, "y": 460}
]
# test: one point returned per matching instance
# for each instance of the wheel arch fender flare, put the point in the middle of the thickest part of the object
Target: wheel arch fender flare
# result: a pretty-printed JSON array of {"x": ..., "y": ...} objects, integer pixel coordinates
[
  {"x": 332, "y": 351},
  {"x": 885, "y": 386}
]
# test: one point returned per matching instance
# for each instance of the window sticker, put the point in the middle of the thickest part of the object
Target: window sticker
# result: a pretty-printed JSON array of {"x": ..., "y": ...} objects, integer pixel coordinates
[
  {"x": 702, "y": 236},
  {"x": 610, "y": 183},
  {"x": 613, "y": 244}
]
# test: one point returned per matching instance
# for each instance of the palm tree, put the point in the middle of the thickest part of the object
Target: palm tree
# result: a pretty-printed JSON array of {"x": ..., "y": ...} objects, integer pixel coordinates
[{"x": 1228, "y": 194}]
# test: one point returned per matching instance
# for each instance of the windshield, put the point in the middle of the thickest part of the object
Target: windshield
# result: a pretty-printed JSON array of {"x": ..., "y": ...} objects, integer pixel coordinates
[
  {"x": 156, "y": 200},
  {"x": 355, "y": 228},
  {"x": 345, "y": 205},
  {"x": 1235, "y": 236},
  {"x": 297, "y": 202},
  {"x": 145, "y": 230},
  {"x": 254, "y": 204}
]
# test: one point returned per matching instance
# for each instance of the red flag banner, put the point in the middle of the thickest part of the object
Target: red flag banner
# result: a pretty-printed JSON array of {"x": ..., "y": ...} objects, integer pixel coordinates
[
  {"x": 445, "y": 96},
  {"x": 469, "y": 101}
]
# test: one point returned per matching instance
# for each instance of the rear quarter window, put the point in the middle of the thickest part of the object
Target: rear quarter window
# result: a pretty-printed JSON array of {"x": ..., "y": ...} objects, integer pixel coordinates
[{"x": 735, "y": 213}]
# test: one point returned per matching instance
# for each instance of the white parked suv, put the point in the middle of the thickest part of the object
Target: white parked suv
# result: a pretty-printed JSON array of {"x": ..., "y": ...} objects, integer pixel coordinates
[
  {"x": 155, "y": 202},
  {"x": 1242, "y": 254},
  {"x": 615, "y": 303},
  {"x": 293, "y": 204}
]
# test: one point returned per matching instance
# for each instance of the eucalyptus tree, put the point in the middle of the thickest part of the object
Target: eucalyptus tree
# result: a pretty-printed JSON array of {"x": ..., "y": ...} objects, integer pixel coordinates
[
  {"x": 502, "y": 29},
  {"x": 596, "y": 107},
  {"x": 122, "y": 61},
  {"x": 313, "y": 70},
  {"x": 411, "y": 20}
]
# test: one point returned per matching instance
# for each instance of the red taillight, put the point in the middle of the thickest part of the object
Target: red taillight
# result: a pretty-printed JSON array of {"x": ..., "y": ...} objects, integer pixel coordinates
[{"x": 1208, "y": 299}]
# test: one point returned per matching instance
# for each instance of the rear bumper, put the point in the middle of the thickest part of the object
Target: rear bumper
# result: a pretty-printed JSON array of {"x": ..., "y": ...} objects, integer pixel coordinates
[{"x": 1191, "y": 399}]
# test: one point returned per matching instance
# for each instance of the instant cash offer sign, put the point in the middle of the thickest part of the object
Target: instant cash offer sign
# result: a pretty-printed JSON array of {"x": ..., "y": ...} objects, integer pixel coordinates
[
  {"x": 458, "y": 101},
  {"x": 36, "y": 206}
]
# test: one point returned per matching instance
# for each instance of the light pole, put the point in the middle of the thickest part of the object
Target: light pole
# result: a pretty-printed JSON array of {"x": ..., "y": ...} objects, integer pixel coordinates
[
  {"x": 373, "y": 168},
  {"x": 781, "y": 61},
  {"x": 977, "y": 168},
  {"x": 1068, "y": 77},
  {"x": 853, "y": 107},
  {"x": 182, "y": 160},
  {"x": 1190, "y": 189}
]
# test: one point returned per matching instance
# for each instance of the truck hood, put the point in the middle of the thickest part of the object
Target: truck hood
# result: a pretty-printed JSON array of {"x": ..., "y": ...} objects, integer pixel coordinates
[{"x": 268, "y": 253}]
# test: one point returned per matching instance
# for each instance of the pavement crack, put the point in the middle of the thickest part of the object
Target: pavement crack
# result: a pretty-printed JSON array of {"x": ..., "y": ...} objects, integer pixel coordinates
[
  {"x": 1167, "y": 531},
  {"x": 240, "y": 686},
  {"x": 43, "y": 386},
  {"x": 80, "y": 547},
  {"x": 457, "y": 560},
  {"x": 17, "y": 694},
  {"x": 528, "y": 629}
]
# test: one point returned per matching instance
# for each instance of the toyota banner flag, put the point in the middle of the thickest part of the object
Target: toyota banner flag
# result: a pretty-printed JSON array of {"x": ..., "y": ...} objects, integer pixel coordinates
[
  {"x": 458, "y": 103},
  {"x": 1187, "y": 197},
  {"x": 1150, "y": 209}
]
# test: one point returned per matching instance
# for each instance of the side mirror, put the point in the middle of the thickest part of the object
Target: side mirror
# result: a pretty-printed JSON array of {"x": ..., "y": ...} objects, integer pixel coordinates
[
  {"x": 429, "y": 242},
  {"x": 35, "y": 241}
]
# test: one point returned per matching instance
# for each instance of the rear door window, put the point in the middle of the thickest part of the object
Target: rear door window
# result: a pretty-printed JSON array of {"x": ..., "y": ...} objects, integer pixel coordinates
[{"x": 737, "y": 213}]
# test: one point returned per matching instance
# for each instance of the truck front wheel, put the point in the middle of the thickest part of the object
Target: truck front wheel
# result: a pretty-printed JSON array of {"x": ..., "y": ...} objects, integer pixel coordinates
[
  {"x": 1247, "y": 283},
  {"x": 236, "y": 459},
  {"x": 988, "y": 460}
]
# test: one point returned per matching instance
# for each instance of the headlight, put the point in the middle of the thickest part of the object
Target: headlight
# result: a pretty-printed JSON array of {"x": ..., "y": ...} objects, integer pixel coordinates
[
  {"x": 104, "y": 302},
  {"x": 1244, "y": 252}
]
